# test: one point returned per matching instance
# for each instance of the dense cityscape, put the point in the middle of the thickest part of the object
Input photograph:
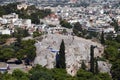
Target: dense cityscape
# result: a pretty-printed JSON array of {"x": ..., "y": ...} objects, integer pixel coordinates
[{"x": 60, "y": 40}]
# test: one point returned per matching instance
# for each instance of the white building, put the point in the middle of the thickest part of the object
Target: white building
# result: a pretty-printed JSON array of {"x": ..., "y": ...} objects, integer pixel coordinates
[
  {"x": 6, "y": 31},
  {"x": 107, "y": 30},
  {"x": 27, "y": 22},
  {"x": 11, "y": 18},
  {"x": 23, "y": 22}
]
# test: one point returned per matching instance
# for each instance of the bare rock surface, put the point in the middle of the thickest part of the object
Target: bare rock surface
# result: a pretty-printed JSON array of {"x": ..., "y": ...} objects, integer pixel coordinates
[
  {"x": 104, "y": 66},
  {"x": 77, "y": 50}
]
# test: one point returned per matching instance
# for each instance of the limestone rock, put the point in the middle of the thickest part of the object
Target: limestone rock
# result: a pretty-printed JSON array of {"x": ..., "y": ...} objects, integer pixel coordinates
[
  {"x": 104, "y": 66},
  {"x": 76, "y": 49}
]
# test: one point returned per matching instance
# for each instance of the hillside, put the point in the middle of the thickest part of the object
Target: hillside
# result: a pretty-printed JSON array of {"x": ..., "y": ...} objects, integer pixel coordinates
[{"x": 76, "y": 49}]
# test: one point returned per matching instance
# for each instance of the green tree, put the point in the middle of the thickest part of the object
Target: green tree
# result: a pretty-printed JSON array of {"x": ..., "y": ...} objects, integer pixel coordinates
[
  {"x": 78, "y": 30},
  {"x": 19, "y": 39},
  {"x": 83, "y": 66},
  {"x": 20, "y": 75},
  {"x": 96, "y": 66},
  {"x": 24, "y": 78},
  {"x": 36, "y": 34},
  {"x": 78, "y": 26},
  {"x": 115, "y": 25},
  {"x": 92, "y": 34},
  {"x": 6, "y": 53},
  {"x": 10, "y": 8},
  {"x": 92, "y": 65},
  {"x": 35, "y": 19},
  {"x": 40, "y": 73},
  {"x": 64, "y": 31},
  {"x": 20, "y": 54},
  {"x": 61, "y": 57},
  {"x": 2, "y": 11},
  {"x": 118, "y": 38},
  {"x": 111, "y": 53},
  {"x": 104, "y": 76},
  {"x": 102, "y": 38},
  {"x": 115, "y": 70},
  {"x": 84, "y": 75},
  {"x": 25, "y": 33},
  {"x": 3, "y": 38},
  {"x": 20, "y": 32},
  {"x": 65, "y": 24},
  {"x": 8, "y": 77},
  {"x": 29, "y": 49},
  {"x": 110, "y": 36},
  {"x": 61, "y": 74}
]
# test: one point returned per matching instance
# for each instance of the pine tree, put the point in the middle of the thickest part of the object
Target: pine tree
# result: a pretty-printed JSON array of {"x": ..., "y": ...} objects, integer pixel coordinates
[
  {"x": 25, "y": 33},
  {"x": 96, "y": 66},
  {"x": 61, "y": 59},
  {"x": 102, "y": 38},
  {"x": 92, "y": 58},
  {"x": 57, "y": 61},
  {"x": 83, "y": 66},
  {"x": 115, "y": 24}
]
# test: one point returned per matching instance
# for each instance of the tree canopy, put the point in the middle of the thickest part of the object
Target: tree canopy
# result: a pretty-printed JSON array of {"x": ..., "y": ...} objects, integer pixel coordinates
[{"x": 65, "y": 24}]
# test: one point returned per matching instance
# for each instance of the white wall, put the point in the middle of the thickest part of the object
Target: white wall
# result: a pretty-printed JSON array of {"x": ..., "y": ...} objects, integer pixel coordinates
[{"x": 5, "y": 31}]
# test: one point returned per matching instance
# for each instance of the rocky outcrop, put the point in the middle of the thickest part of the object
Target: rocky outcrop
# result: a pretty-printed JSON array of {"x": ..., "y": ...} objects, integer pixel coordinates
[
  {"x": 104, "y": 66},
  {"x": 76, "y": 49}
]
